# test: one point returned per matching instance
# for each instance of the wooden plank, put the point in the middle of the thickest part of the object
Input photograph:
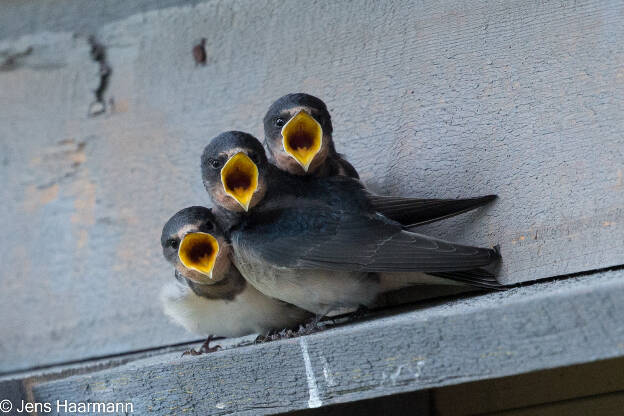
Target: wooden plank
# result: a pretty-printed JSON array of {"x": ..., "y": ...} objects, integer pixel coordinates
[
  {"x": 22, "y": 17},
  {"x": 603, "y": 405},
  {"x": 539, "y": 391},
  {"x": 545, "y": 325},
  {"x": 529, "y": 390},
  {"x": 416, "y": 403},
  {"x": 429, "y": 99},
  {"x": 14, "y": 392}
]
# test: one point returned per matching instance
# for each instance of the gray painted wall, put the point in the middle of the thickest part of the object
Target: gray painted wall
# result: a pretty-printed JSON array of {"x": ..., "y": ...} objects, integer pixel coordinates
[{"x": 522, "y": 99}]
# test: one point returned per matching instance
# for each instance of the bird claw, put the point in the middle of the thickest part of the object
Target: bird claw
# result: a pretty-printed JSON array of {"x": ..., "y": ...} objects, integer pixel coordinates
[
  {"x": 275, "y": 335},
  {"x": 191, "y": 352},
  {"x": 359, "y": 313},
  {"x": 205, "y": 347},
  {"x": 309, "y": 328}
]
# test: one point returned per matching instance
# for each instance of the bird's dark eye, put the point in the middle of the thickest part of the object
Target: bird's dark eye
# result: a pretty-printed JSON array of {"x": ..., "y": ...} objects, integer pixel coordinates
[
  {"x": 173, "y": 243},
  {"x": 209, "y": 226},
  {"x": 254, "y": 157},
  {"x": 279, "y": 122},
  {"x": 215, "y": 163}
]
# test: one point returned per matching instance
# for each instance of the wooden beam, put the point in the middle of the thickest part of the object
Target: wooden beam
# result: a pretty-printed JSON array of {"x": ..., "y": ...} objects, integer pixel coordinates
[
  {"x": 539, "y": 388},
  {"x": 545, "y": 325},
  {"x": 606, "y": 404},
  {"x": 433, "y": 99}
]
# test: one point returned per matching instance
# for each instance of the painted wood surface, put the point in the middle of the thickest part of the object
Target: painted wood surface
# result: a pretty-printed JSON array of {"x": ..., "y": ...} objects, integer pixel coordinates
[
  {"x": 607, "y": 405},
  {"x": 587, "y": 389},
  {"x": 535, "y": 390},
  {"x": 541, "y": 326},
  {"x": 433, "y": 99}
]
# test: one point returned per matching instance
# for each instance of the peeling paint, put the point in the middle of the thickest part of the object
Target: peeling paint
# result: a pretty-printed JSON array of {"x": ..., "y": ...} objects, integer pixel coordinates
[
  {"x": 314, "y": 400},
  {"x": 84, "y": 203},
  {"x": 327, "y": 373},
  {"x": 12, "y": 60},
  {"x": 393, "y": 377},
  {"x": 35, "y": 198},
  {"x": 59, "y": 163},
  {"x": 83, "y": 238}
]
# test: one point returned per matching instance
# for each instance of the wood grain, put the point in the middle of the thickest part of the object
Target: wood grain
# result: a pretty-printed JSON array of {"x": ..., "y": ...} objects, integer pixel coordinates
[
  {"x": 531, "y": 390},
  {"x": 432, "y": 99},
  {"x": 545, "y": 325},
  {"x": 606, "y": 405}
]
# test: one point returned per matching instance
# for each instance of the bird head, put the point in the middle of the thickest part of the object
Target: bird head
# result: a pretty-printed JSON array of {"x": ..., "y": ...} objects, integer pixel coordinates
[
  {"x": 234, "y": 167},
  {"x": 298, "y": 133},
  {"x": 195, "y": 245}
]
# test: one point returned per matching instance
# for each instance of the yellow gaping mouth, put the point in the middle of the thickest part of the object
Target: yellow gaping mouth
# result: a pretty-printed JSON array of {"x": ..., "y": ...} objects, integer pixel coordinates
[
  {"x": 302, "y": 138},
  {"x": 239, "y": 177},
  {"x": 198, "y": 251}
]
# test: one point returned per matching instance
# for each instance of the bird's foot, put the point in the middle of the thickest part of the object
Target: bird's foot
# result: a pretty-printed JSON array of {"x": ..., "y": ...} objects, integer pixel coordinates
[
  {"x": 275, "y": 335},
  {"x": 192, "y": 352},
  {"x": 312, "y": 326},
  {"x": 308, "y": 329},
  {"x": 359, "y": 313},
  {"x": 205, "y": 347}
]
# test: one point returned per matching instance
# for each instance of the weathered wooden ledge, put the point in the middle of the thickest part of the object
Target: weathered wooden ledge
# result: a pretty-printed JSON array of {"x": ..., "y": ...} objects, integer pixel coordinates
[{"x": 536, "y": 327}]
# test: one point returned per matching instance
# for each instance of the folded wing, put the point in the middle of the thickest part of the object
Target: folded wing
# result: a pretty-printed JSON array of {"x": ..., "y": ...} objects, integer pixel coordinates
[
  {"x": 413, "y": 211},
  {"x": 323, "y": 237}
]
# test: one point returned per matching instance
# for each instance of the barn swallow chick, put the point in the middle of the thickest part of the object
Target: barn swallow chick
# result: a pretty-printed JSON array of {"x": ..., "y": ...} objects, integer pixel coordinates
[
  {"x": 317, "y": 243},
  {"x": 298, "y": 135},
  {"x": 210, "y": 297}
]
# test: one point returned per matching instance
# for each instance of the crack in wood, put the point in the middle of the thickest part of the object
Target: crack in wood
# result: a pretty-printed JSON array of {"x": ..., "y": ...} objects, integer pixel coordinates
[{"x": 98, "y": 54}]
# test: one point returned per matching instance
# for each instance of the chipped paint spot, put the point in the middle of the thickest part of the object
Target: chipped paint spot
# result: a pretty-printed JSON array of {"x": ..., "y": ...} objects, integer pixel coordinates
[
  {"x": 314, "y": 400},
  {"x": 55, "y": 166},
  {"x": 327, "y": 373},
  {"x": 419, "y": 366},
  {"x": 83, "y": 238},
  {"x": 36, "y": 198},
  {"x": 220, "y": 405},
  {"x": 393, "y": 378},
  {"x": 78, "y": 157},
  {"x": 84, "y": 204},
  {"x": 120, "y": 106},
  {"x": 498, "y": 353},
  {"x": 65, "y": 154}
]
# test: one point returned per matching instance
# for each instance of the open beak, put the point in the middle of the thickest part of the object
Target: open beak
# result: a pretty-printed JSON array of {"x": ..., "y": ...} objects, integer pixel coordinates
[
  {"x": 302, "y": 138},
  {"x": 239, "y": 177},
  {"x": 198, "y": 251}
]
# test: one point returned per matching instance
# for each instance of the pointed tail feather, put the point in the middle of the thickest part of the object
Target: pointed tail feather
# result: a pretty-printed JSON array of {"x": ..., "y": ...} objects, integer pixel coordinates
[
  {"x": 477, "y": 278},
  {"x": 411, "y": 212}
]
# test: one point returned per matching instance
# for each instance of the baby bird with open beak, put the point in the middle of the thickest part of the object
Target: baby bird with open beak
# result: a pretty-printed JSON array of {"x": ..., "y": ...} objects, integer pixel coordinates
[
  {"x": 318, "y": 243},
  {"x": 209, "y": 296},
  {"x": 298, "y": 135}
]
